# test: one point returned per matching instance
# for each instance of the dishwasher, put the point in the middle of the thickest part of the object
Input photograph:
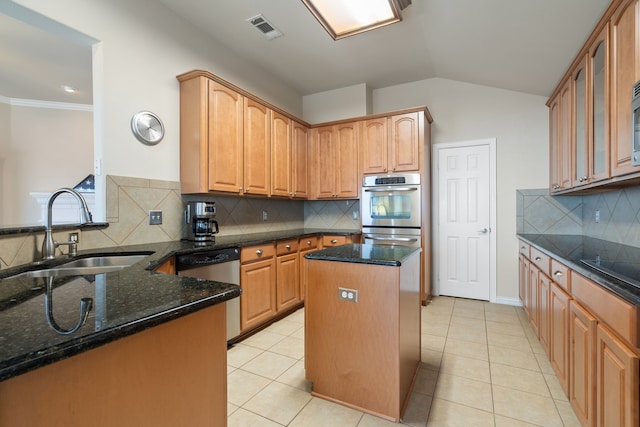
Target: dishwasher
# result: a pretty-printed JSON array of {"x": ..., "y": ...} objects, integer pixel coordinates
[{"x": 220, "y": 265}]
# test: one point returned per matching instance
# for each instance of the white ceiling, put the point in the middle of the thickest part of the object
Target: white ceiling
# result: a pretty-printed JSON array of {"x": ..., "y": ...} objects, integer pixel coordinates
[{"x": 511, "y": 44}]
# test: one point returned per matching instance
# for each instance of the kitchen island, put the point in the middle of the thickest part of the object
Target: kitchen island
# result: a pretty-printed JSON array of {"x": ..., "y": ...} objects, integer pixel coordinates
[{"x": 362, "y": 326}]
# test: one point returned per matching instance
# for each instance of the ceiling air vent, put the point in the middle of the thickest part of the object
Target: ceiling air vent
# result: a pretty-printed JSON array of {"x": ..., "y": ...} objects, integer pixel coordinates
[{"x": 264, "y": 26}]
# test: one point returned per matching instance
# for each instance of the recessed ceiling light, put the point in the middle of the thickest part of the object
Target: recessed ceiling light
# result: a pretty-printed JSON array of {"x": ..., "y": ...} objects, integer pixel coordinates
[
  {"x": 69, "y": 89},
  {"x": 346, "y": 18}
]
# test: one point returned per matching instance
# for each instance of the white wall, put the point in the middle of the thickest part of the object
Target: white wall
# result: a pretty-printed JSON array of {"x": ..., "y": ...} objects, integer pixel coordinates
[
  {"x": 143, "y": 46},
  {"x": 337, "y": 104},
  {"x": 518, "y": 121}
]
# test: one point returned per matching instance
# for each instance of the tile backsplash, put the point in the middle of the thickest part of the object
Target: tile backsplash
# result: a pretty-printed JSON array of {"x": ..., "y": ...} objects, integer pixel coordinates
[
  {"x": 612, "y": 215},
  {"x": 130, "y": 199}
]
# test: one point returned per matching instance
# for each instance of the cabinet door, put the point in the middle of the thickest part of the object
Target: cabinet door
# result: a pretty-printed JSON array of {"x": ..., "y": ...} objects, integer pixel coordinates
[
  {"x": 544, "y": 284},
  {"x": 346, "y": 160},
  {"x": 306, "y": 245},
  {"x": 523, "y": 264},
  {"x": 582, "y": 364},
  {"x": 599, "y": 107},
  {"x": 287, "y": 281},
  {"x": 555, "y": 152},
  {"x": 257, "y": 158},
  {"x": 624, "y": 73},
  {"x": 617, "y": 384},
  {"x": 565, "y": 135},
  {"x": 580, "y": 119},
  {"x": 405, "y": 142},
  {"x": 324, "y": 162},
  {"x": 374, "y": 146},
  {"x": 225, "y": 139},
  {"x": 533, "y": 297},
  {"x": 559, "y": 334},
  {"x": 258, "y": 299},
  {"x": 299, "y": 161},
  {"x": 280, "y": 155}
]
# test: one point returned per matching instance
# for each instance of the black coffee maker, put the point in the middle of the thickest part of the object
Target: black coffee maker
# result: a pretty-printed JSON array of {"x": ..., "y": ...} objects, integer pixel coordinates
[{"x": 201, "y": 225}]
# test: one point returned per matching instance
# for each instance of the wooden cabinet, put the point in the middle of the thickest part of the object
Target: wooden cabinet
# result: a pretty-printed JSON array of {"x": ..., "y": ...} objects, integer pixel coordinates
[
  {"x": 598, "y": 107},
  {"x": 257, "y": 146},
  {"x": 167, "y": 267},
  {"x": 532, "y": 293},
  {"x": 335, "y": 159},
  {"x": 560, "y": 137},
  {"x": 523, "y": 282},
  {"x": 625, "y": 55},
  {"x": 287, "y": 274},
  {"x": 299, "y": 161},
  {"x": 579, "y": 131},
  {"x": 329, "y": 240},
  {"x": 559, "y": 334},
  {"x": 258, "y": 283},
  {"x": 544, "y": 286},
  {"x": 617, "y": 382},
  {"x": 391, "y": 144},
  {"x": 582, "y": 364},
  {"x": 281, "y": 155},
  {"x": 305, "y": 245}
]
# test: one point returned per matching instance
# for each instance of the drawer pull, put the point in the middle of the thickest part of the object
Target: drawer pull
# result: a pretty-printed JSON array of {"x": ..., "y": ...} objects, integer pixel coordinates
[
  {"x": 538, "y": 258},
  {"x": 334, "y": 241},
  {"x": 308, "y": 242},
  {"x": 558, "y": 273},
  {"x": 259, "y": 252},
  {"x": 288, "y": 247}
]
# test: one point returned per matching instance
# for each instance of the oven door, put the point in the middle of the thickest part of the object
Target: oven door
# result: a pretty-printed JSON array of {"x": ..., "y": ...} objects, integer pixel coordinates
[
  {"x": 391, "y": 237},
  {"x": 390, "y": 206}
]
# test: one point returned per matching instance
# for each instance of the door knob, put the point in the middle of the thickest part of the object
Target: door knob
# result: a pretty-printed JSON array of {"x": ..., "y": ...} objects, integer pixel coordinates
[{"x": 483, "y": 231}]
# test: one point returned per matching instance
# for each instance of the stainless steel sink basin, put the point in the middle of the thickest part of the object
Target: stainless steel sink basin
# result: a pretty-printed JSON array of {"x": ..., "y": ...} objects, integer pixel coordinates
[
  {"x": 104, "y": 261},
  {"x": 89, "y": 265}
]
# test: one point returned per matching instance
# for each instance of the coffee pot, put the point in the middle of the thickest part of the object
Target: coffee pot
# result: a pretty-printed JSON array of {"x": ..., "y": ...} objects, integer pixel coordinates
[{"x": 201, "y": 225}]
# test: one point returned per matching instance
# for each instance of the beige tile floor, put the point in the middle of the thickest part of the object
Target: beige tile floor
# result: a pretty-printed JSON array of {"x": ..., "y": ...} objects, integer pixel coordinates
[{"x": 482, "y": 365}]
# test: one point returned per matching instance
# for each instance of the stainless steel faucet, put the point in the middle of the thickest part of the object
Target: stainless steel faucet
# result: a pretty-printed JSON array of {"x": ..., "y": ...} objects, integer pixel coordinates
[{"x": 49, "y": 245}]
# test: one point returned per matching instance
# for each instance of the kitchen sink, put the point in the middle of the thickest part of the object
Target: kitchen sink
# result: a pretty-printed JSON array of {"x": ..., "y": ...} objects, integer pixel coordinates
[{"x": 90, "y": 265}]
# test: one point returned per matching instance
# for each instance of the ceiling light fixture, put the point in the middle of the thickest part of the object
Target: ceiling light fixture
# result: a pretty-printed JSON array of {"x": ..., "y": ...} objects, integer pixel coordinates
[{"x": 344, "y": 18}]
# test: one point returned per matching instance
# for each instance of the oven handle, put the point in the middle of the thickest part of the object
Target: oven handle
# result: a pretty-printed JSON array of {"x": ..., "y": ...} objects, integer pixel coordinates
[
  {"x": 387, "y": 239},
  {"x": 386, "y": 189}
]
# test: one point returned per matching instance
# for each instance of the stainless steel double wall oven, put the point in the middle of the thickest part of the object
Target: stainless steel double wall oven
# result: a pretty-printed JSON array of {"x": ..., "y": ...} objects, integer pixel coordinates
[{"x": 390, "y": 208}]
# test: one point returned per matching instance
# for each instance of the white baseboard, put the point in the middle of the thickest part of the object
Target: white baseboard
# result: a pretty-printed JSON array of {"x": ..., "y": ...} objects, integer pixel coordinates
[{"x": 509, "y": 301}]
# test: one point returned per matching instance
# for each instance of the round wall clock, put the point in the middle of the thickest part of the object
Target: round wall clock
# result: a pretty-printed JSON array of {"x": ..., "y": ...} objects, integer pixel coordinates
[{"x": 147, "y": 127}]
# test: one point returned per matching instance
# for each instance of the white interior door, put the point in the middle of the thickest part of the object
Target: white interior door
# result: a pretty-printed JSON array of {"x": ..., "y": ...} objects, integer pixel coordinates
[{"x": 464, "y": 221}]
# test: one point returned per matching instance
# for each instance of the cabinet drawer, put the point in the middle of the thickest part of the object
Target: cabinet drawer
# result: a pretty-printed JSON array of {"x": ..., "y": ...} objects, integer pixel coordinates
[
  {"x": 560, "y": 275},
  {"x": 542, "y": 261},
  {"x": 329, "y": 240},
  {"x": 257, "y": 252},
  {"x": 619, "y": 315},
  {"x": 524, "y": 248},
  {"x": 287, "y": 247},
  {"x": 308, "y": 243}
]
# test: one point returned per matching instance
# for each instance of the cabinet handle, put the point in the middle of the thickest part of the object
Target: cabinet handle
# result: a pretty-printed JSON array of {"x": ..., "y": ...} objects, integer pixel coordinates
[
  {"x": 288, "y": 247},
  {"x": 247, "y": 190},
  {"x": 538, "y": 258},
  {"x": 308, "y": 242},
  {"x": 334, "y": 241},
  {"x": 259, "y": 252},
  {"x": 522, "y": 247},
  {"x": 558, "y": 274}
]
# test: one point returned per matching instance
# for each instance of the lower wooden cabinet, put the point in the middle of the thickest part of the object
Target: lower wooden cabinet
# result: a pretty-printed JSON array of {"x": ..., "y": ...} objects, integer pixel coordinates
[
  {"x": 305, "y": 245},
  {"x": 617, "y": 382},
  {"x": 582, "y": 363},
  {"x": 559, "y": 334},
  {"x": 523, "y": 273},
  {"x": 287, "y": 275},
  {"x": 544, "y": 284},
  {"x": 258, "y": 283}
]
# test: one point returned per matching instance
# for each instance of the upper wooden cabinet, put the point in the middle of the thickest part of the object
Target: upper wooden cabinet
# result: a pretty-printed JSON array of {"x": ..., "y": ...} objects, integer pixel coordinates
[
  {"x": 280, "y": 154},
  {"x": 257, "y": 148},
  {"x": 335, "y": 161},
  {"x": 625, "y": 71},
  {"x": 599, "y": 84},
  {"x": 390, "y": 144},
  {"x": 299, "y": 161}
]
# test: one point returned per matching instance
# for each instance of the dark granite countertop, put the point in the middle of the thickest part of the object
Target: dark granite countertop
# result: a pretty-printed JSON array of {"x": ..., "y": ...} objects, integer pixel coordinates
[
  {"x": 124, "y": 302},
  {"x": 365, "y": 254},
  {"x": 572, "y": 249}
]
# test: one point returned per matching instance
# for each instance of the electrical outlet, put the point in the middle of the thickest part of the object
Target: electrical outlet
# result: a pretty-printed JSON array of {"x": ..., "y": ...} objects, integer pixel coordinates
[
  {"x": 264, "y": 215},
  {"x": 73, "y": 237},
  {"x": 597, "y": 216},
  {"x": 348, "y": 294},
  {"x": 155, "y": 217}
]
